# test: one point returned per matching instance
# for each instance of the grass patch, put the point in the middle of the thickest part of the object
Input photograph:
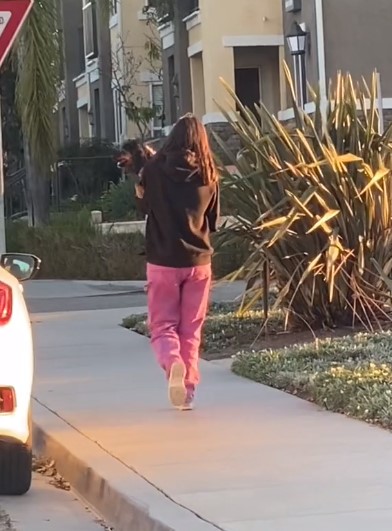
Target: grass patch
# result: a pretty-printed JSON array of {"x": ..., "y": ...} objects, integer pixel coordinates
[
  {"x": 226, "y": 330},
  {"x": 351, "y": 375}
]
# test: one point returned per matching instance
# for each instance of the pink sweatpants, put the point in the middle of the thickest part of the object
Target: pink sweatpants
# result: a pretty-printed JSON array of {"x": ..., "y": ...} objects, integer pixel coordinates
[{"x": 177, "y": 307}]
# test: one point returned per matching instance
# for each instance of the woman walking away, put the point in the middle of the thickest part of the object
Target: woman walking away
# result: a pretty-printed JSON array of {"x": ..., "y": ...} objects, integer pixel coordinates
[{"x": 179, "y": 193}]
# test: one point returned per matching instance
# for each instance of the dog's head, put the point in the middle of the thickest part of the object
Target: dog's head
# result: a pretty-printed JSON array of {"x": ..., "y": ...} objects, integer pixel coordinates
[{"x": 134, "y": 155}]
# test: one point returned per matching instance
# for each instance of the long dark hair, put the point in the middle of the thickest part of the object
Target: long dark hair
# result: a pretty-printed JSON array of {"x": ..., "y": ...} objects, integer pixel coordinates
[
  {"x": 135, "y": 155},
  {"x": 189, "y": 137}
]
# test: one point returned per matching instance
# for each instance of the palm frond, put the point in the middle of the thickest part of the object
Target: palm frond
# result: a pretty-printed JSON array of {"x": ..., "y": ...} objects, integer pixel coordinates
[{"x": 38, "y": 67}]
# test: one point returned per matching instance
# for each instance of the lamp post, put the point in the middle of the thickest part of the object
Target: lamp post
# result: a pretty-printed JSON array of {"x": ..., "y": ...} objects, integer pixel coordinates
[{"x": 296, "y": 41}]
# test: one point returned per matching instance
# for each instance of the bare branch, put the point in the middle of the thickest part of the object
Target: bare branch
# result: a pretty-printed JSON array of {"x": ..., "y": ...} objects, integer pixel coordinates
[{"x": 127, "y": 66}]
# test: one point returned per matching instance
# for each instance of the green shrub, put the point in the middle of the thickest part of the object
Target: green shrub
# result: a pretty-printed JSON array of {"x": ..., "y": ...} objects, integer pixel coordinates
[
  {"x": 227, "y": 258},
  {"x": 71, "y": 248},
  {"x": 119, "y": 203},
  {"x": 351, "y": 375},
  {"x": 226, "y": 329},
  {"x": 87, "y": 169}
]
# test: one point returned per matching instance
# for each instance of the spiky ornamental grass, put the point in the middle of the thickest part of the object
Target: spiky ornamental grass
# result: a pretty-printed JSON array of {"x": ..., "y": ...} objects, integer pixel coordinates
[{"x": 314, "y": 200}]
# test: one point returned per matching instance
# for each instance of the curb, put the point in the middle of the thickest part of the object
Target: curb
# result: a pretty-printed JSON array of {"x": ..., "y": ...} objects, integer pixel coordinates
[
  {"x": 123, "y": 498},
  {"x": 120, "y": 512}
]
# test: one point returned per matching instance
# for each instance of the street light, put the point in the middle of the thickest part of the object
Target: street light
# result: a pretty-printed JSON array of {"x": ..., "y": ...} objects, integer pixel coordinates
[{"x": 297, "y": 40}]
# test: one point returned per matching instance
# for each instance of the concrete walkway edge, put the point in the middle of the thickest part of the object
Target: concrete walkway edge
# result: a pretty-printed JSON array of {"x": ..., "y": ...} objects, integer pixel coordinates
[{"x": 99, "y": 479}]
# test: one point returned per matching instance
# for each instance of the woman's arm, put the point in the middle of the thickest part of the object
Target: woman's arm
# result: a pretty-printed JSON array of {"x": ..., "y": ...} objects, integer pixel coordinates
[
  {"x": 213, "y": 213},
  {"x": 141, "y": 191}
]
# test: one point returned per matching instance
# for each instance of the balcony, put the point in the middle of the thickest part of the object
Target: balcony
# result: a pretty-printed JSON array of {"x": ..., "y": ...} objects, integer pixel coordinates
[
  {"x": 194, "y": 6},
  {"x": 163, "y": 10},
  {"x": 193, "y": 18}
]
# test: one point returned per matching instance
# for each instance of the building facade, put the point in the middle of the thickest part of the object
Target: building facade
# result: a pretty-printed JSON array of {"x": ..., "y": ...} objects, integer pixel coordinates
[
  {"x": 137, "y": 74},
  {"x": 206, "y": 41},
  {"x": 71, "y": 21},
  {"x": 112, "y": 72},
  {"x": 86, "y": 103},
  {"x": 342, "y": 37}
]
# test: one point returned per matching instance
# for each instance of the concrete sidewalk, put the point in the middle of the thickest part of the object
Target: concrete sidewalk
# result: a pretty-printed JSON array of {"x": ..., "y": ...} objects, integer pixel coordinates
[{"x": 247, "y": 459}]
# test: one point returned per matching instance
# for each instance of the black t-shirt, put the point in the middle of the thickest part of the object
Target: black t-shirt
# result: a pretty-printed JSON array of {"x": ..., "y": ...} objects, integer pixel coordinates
[{"x": 181, "y": 213}]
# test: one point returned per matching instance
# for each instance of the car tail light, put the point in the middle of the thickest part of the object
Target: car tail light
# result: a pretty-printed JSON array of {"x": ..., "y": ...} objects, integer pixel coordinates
[
  {"x": 7, "y": 400},
  {"x": 5, "y": 303}
]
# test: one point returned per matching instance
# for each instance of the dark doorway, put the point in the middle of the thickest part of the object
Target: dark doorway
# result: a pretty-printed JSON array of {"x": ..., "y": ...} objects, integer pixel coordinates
[
  {"x": 247, "y": 86},
  {"x": 97, "y": 115},
  {"x": 173, "y": 91}
]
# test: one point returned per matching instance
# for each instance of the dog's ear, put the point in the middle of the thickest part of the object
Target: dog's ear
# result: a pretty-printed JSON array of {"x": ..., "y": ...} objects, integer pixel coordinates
[{"x": 130, "y": 145}]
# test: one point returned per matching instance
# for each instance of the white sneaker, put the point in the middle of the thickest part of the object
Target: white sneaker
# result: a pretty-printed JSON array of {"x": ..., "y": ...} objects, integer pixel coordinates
[
  {"x": 189, "y": 401},
  {"x": 177, "y": 389}
]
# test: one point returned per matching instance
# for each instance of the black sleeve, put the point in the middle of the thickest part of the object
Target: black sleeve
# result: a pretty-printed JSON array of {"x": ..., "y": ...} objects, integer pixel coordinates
[
  {"x": 213, "y": 213},
  {"x": 142, "y": 204}
]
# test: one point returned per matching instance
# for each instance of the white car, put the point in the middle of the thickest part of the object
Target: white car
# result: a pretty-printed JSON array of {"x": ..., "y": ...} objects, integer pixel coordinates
[{"x": 16, "y": 375}]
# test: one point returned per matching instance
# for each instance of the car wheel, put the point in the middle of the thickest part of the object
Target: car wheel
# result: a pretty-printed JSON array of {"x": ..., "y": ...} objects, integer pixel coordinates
[{"x": 16, "y": 461}]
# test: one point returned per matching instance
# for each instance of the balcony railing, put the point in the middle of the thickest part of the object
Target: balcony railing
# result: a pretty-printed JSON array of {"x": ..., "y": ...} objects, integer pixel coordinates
[
  {"x": 194, "y": 6},
  {"x": 164, "y": 9}
]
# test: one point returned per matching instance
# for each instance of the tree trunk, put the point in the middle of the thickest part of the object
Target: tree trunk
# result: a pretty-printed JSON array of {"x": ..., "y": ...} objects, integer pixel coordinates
[{"x": 38, "y": 191}]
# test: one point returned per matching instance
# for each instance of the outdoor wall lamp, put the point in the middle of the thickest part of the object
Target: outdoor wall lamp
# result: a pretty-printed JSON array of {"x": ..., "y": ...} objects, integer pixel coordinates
[{"x": 297, "y": 42}]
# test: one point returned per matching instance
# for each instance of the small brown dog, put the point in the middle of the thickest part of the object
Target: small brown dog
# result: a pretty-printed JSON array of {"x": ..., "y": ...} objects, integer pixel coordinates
[{"x": 134, "y": 155}]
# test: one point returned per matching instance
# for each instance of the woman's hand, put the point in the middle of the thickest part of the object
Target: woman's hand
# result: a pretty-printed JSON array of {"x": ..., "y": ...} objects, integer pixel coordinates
[{"x": 139, "y": 190}]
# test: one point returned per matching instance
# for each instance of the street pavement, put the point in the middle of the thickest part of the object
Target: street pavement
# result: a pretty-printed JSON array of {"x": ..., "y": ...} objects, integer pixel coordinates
[
  {"x": 248, "y": 458},
  {"x": 46, "y": 508},
  {"x": 48, "y": 296}
]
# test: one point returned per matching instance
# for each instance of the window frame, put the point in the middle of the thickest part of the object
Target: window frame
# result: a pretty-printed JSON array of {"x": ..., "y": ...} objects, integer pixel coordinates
[
  {"x": 93, "y": 53},
  {"x": 153, "y": 128}
]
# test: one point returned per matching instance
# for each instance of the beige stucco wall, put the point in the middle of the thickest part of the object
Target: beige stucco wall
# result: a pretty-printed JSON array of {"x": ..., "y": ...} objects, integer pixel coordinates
[
  {"x": 195, "y": 34},
  {"x": 197, "y": 81},
  {"x": 83, "y": 95},
  {"x": 85, "y": 130},
  {"x": 83, "y": 92},
  {"x": 245, "y": 18},
  {"x": 133, "y": 34}
]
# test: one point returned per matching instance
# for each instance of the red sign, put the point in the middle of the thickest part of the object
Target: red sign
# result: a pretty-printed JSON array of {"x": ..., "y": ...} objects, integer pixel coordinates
[{"x": 12, "y": 15}]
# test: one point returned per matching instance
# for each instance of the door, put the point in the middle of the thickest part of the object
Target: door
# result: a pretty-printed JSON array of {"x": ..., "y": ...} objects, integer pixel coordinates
[{"x": 247, "y": 86}]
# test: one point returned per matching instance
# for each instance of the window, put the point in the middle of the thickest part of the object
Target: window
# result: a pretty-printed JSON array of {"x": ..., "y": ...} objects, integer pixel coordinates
[
  {"x": 118, "y": 115},
  {"x": 97, "y": 114},
  {"x": 90, "y": 30},
  {"x": 84, "y": 128},
  {"x": 81, "y": 54},
  {"x": 113, "y": 7},
  {"x": 194, "y": 6},
  {"x": 64, "y": 126},
  {"x": 157, "y": 102},
  {"x": 173, "y": 91}
]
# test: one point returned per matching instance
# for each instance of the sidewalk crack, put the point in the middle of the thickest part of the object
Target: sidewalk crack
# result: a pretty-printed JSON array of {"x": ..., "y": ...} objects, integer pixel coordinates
[{"x": 129, "y": 467}]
